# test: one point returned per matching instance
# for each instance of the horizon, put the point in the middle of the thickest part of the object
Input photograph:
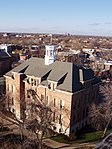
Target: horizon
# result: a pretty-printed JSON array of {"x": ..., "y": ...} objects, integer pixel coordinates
[
  {"x": 87, "y": 35},
  {"x": 83, "y": 18}
]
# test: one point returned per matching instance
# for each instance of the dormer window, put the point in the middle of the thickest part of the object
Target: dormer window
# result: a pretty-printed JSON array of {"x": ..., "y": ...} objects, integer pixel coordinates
[
  {"x": 28, "y": 80},
  {"x": 31, "y": 79},
  {"x": 13, "y": 76},
  {"x": 37, "y": 82},
  {"x": 34, "y": 82},
  {"x": 49, "y": 86},
  {"x": 61, "y": 104},
  {"x": 53, "y": 86}
]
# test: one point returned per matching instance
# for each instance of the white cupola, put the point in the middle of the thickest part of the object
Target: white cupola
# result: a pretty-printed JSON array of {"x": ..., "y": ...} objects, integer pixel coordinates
[{"x": 50, "y": 55}]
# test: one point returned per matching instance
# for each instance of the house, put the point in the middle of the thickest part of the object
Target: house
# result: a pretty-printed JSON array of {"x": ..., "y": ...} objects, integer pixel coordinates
[
  {"x": 7, "y": 48},
  {"x": 108, "y": 65},
  {"x": 64, "y": 84}
]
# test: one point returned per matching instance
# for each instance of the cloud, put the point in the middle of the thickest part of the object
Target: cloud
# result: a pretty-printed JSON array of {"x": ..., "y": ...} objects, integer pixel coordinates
[
  {"x": 94, "y": 24},
  {"x": 108, "y": 23},
  {"x": 98, "y": 24}
]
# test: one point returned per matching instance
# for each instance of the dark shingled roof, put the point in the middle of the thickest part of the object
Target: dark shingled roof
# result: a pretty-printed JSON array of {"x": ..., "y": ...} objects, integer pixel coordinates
[
  {"x": 64, "y": 73},
  {"x": 4, "y": 54}
]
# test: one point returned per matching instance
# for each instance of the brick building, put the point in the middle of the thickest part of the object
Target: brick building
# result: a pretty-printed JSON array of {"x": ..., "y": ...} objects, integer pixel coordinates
[{"x": 64, "y": 84}]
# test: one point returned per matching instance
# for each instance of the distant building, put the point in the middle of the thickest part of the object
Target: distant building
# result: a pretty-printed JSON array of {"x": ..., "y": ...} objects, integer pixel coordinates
[
  {"x": 89, "y": 51},
  {"x": 6, "y": 47},
  {"x": 5, "y": 35},
  {"x": 22, "y": 57},
  {"x": 65, "y": 85},
  {"x": 108, "y": 65}
]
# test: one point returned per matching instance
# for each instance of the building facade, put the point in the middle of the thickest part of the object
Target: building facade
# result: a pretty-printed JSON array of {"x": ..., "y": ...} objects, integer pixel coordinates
[{"x": 66, "y": 87}]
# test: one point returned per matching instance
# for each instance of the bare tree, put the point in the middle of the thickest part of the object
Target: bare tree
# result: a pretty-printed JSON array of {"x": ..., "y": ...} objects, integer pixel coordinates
[
  {"x": 43, "y": 116},
  {"x": 101, "y": 113},
  {"x": 8, "y": 115},
  {"x": 40, "y": 118}
]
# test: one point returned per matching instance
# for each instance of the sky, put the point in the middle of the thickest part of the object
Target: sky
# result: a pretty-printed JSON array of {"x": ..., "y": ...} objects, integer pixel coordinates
[{"x": 80, "y": 17}]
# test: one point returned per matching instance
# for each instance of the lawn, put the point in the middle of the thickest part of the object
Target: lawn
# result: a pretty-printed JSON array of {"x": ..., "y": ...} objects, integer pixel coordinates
[
  {"x": 89, "y": 137},
  {"x": 85, "y": 137}
]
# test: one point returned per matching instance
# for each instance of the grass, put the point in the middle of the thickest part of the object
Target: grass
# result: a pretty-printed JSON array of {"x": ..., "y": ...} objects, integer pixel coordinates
[
  {"x": 89, "y": 137},
  {"x": 61, "y": 138},
  {"x": 83, "y": 137}
]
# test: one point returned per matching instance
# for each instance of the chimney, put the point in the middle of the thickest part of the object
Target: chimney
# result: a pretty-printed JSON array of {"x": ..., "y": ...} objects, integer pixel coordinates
[{"x": 50, "y": 55}]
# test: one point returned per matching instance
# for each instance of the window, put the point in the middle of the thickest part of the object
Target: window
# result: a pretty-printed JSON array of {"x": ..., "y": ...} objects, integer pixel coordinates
[
  {"x": 28, "y": 94},
  {"x": 12, "y": 88},
  {"x": 47, "y": 100},
  {"x": 73, "y": 131},
  {"x": 87, "y": 111},
  {"x": 51, "y": 52},
  {"x": 37, "y": 82},
  {"x": 95, "y": 94},
  {"x": 77, "y": 103},
  {"x": 76, "y": 129},
  {"x": 78, "y": 117},
  {"x": 34, "y": 82},
  {"x": 61, "y": 104},
  {"x": 60, "y": 130},
  {"x": 49, "y": 85},
  {"x": 12, "y": 101},
  {"x": 28, "y": 80},
  {"x": 60, "y": 119},
  {"x": 55, "y": 102},
  {"x": 42, "y": 97},
  {"x": 13, "y": 110},
  {"x": 54, "y": 127},
  {"x": 8, "y": 87},
  {"x": 74, "y": 105},
  {"x": 74, "y": 119},
  {"x": 54, "y": 116},
  {"x": 83, "y": 114},
  {"x": 13, "y": 76},
  {"x": 53, "y": 86}
]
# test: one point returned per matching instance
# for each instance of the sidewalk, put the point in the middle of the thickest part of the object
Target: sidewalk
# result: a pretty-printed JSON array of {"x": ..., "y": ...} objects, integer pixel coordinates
[{"x": 56, "y": 145}]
